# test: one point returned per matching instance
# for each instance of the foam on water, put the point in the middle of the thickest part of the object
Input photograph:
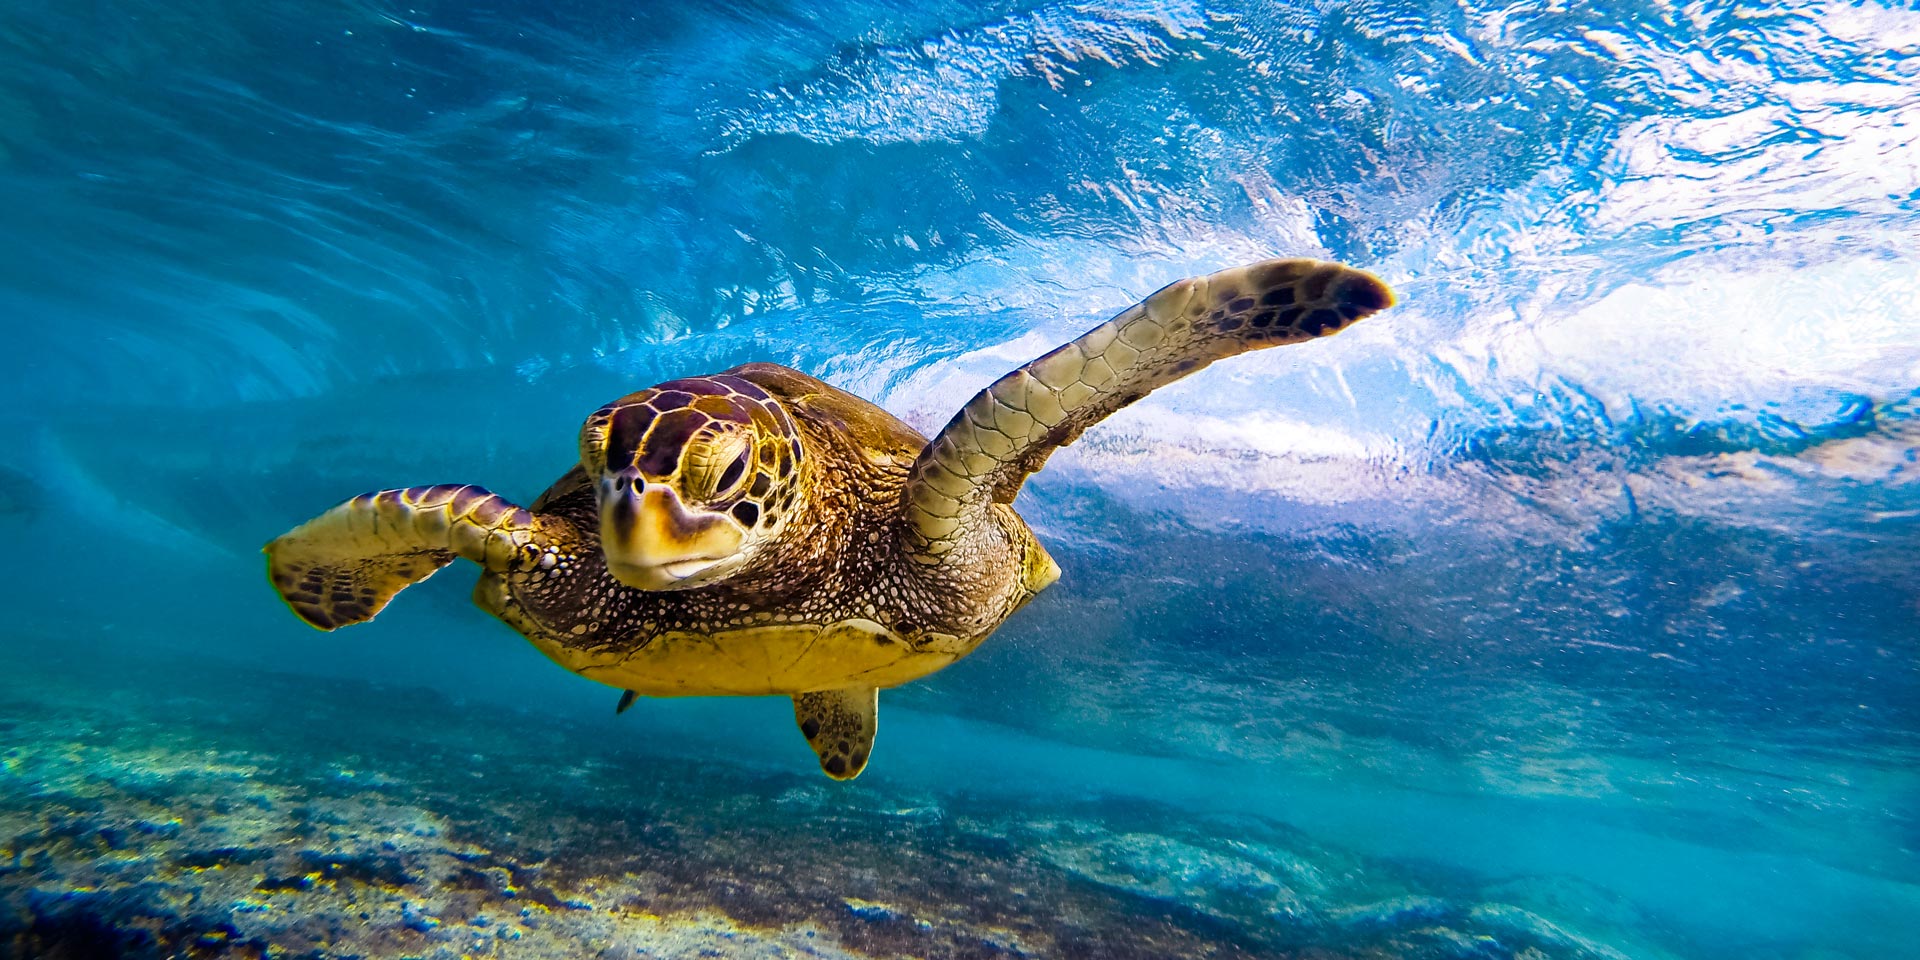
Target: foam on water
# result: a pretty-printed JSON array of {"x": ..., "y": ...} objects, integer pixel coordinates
[{"x": 1591, "y": 567}]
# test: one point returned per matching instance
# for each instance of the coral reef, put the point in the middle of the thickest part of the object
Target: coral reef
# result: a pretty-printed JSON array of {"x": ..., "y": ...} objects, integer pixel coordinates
[{"x": 241, "y": 815}]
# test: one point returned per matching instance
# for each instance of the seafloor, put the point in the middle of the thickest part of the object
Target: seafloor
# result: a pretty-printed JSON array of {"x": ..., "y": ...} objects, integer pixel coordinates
[{"x": 201, "y": 811}]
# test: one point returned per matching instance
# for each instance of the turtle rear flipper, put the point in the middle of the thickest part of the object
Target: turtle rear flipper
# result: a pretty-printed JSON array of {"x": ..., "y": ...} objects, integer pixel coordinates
[
  {"x": 343, "y": 566},
  {"x": 839, "y": 725},
  {"x": 1007, "y": 431}
]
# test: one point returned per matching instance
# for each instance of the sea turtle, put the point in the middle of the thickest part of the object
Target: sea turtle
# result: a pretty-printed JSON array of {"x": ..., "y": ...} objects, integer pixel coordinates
[{"x": 759, "y": 531}]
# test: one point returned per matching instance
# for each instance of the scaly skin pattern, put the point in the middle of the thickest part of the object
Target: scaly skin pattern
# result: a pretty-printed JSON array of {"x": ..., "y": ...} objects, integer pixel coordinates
[
  {"x": 343, "y": 566},
  {"x": 792, "y": 538},
  {"x": 1007, "y": 430},
  {"x": 676, "y": 433},
  {"x": 836, "y": 606}
]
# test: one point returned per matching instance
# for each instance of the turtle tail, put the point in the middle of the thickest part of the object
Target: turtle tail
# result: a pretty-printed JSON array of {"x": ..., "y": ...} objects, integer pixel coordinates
[{"x": 343, "y": 566}]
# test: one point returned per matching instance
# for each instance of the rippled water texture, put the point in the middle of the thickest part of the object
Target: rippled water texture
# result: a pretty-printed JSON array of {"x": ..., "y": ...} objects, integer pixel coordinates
[{"x": 1567, "y": 610}]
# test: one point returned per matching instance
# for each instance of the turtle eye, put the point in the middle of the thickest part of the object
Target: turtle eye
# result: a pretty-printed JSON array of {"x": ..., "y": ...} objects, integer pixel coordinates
[
  {"x": 704, "y": 478},
  {"x": 730, "y": 478}
]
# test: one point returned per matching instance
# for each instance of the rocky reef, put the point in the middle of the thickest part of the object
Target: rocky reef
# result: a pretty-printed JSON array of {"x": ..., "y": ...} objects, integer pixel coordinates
[{"x": 222, "y": 814}]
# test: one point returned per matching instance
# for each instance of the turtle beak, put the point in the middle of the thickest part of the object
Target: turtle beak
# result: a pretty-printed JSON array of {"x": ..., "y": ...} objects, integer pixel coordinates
[{"x": 651, "y": 540}]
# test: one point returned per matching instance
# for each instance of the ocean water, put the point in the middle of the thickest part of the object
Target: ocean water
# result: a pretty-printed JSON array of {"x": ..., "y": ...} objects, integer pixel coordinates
[{"x": 1570, "y": 609}]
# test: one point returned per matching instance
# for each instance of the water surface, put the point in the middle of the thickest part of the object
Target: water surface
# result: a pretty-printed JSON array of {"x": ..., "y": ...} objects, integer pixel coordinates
[{"x": 1570, "y": 607}]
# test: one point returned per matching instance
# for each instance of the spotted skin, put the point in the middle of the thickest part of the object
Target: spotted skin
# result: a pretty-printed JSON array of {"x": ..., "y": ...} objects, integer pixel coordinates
[
  {"x": 1007, "y": 431},
  {"x": 842, "y": 577},
  {"x": 678, "y": 432},
  {"x": 867, "y": 557},
  {"x": 839, "y": 725},
  {"x": 343, "y": 566}
]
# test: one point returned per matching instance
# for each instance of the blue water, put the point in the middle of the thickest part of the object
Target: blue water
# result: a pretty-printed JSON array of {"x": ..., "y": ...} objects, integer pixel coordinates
[{"x": 1585, "y": 582}]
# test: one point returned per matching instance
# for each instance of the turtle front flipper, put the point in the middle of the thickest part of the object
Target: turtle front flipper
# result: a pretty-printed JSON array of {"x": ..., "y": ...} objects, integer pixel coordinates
[
  {"x": 1007, "y": 431},
  {"x": 839, "y": 725},
  {"x": 343, "y": 566}
]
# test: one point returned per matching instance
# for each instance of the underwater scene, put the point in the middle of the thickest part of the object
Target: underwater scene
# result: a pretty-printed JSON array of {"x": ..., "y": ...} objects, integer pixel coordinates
[{"x": 1564, "y": 606}]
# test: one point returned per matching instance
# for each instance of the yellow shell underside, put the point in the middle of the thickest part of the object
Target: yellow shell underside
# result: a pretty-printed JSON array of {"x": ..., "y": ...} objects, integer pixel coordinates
[{"x": 783, "y": 659}]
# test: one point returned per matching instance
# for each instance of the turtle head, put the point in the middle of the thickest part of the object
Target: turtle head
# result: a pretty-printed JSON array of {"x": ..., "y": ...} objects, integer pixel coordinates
[{"x": 694, "y": 479}]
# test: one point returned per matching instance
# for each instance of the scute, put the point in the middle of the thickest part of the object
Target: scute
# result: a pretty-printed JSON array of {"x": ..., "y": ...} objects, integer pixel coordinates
[{"x": 877, "y": 557}]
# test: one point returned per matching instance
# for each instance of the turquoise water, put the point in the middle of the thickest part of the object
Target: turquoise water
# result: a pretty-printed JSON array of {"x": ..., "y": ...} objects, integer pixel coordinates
[{"x": 1569, "y": 609}]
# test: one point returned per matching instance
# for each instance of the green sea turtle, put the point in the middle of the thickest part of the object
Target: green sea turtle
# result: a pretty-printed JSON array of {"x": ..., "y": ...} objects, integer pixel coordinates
[{"x": 759, "y": 531}]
